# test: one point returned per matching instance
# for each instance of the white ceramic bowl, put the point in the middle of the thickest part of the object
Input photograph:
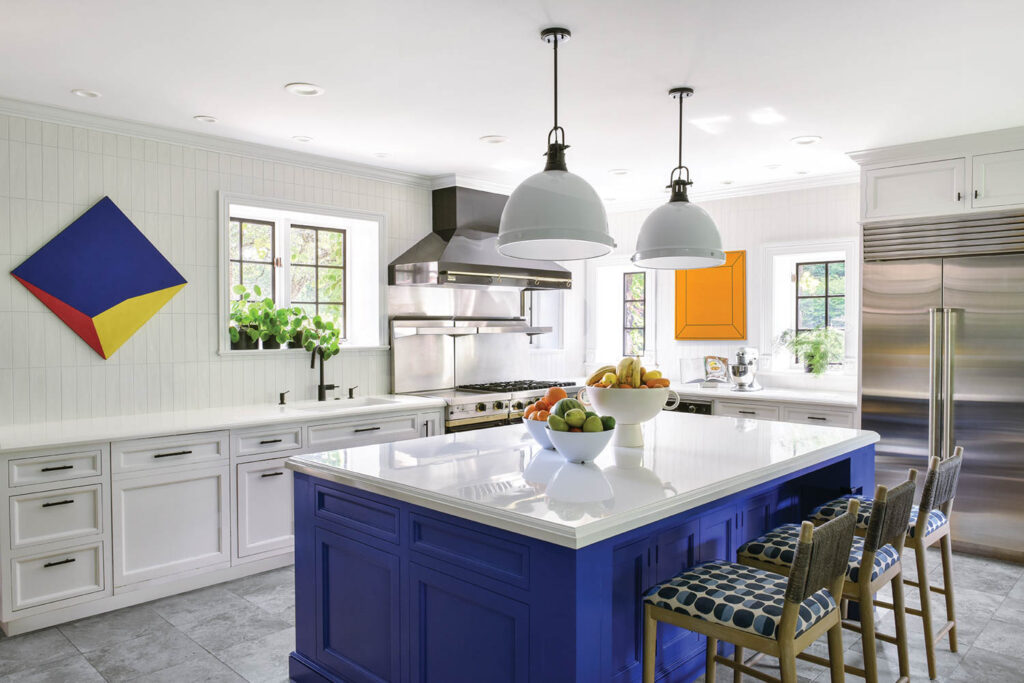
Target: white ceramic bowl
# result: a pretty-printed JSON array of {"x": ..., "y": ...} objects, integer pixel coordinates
[
  {"x": 539, "y": 431},
  {"x": 580, "y": 446},
  {"x": 629, "y": 407}
]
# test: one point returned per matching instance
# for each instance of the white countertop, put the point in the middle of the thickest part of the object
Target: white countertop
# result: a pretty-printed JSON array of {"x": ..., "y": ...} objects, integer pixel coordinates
[
  {"x": 69, "y": 432},
  {"x": 502, "y": 478},
  {"x": 725, "y": 393}
]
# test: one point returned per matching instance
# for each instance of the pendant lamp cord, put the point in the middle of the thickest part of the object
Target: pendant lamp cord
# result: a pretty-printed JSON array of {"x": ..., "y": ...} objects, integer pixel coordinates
[
  {"x": 556, "y": 129},
  {"x": 679, "y": 166}
]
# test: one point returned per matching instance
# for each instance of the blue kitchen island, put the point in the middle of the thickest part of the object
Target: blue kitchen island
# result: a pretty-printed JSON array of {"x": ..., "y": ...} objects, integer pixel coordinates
[{"x": 480, "y": 557}]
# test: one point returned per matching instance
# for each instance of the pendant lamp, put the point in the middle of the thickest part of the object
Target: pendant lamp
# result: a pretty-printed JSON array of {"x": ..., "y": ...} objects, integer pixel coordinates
[
  {"x": 679, "y": 235},
  {"x": 554, "y": 215}
]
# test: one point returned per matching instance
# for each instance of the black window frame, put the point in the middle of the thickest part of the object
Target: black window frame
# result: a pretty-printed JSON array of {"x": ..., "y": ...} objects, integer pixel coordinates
[
  {"x": 273, "y": 263},
  {"x": 343, "y": 332},
  {"x": 625, "y": 305},
  {"x": 826, "y": 296}
]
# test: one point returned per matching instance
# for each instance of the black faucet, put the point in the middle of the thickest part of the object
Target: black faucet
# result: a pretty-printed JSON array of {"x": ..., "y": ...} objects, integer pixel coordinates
[
  {"x": 352, "y": 391},
  {"x": 321, "y": 389}
]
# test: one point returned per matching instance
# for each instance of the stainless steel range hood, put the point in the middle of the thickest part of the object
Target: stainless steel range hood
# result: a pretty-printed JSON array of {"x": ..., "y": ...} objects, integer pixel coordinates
[{"x": 462, "y": 249}]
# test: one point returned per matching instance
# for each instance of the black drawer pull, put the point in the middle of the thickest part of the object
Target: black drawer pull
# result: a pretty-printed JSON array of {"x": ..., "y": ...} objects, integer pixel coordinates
[
  {"x": 266, "y": 441},
  {"x": 167, "y": 455},
  {"x": 747, "y": 412},
  {"x": 366, "y": 429},
  {"x": 58, "y": 467},
  {"x": 69, "y": 501},
  {"x": 271, "y": 474},
  {"x": 819, "y": 419},
  {"x": 59, "y": 562}
]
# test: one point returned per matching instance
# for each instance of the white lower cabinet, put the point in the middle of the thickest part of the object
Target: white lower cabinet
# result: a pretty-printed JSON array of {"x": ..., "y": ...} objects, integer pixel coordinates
[
  {"x": 57, "y": 575},
  {"x": 755, "y": 411},
  {"x": 169, "y": 523},
  {"x": 833, "y": 416},
  {"x": 265, "y": 511},
  {"x": 817, "y": 416}
]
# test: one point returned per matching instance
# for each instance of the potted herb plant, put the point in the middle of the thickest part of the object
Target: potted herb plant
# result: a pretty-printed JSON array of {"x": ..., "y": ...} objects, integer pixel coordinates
[
  {"x": 816, "y": 349},
  {"x": 243, "y": 326}
]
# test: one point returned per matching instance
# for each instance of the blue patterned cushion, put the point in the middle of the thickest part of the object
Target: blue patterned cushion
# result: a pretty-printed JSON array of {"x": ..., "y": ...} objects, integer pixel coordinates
[
  {"x": 778, "y": 547},
  {"x": 741, "y": 597},
  {"x": 823, "y": 513}
]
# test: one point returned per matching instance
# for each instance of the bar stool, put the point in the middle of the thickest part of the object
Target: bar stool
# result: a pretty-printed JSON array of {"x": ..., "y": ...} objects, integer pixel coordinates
[
  {"x": 760, "y": 609},
  {"x": 928, "y": 525},
  {"x": 874, "y": 561}
]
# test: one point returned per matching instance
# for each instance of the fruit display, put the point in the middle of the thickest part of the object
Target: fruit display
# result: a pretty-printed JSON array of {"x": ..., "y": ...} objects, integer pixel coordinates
[
  {"x": 567, "y": 415},
  {"x": 628, "y": 374}
]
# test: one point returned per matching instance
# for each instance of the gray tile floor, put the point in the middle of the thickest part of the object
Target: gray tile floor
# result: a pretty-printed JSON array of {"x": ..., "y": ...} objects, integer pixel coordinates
[{"x": 244, "y": 630}]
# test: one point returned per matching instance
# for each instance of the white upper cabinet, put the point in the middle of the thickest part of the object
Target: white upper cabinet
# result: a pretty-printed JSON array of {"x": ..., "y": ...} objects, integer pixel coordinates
[
  {"x": 928, "y": 189},
  {"x": 998, "y": 179}
]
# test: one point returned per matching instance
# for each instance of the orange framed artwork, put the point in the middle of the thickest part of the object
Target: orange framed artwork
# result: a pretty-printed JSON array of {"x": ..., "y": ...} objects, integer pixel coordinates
[{"x": 711, "y": 303}]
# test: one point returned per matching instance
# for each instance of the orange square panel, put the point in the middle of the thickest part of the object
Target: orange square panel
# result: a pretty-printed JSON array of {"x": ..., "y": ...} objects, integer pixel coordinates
[{"x": 711, "y": 303}]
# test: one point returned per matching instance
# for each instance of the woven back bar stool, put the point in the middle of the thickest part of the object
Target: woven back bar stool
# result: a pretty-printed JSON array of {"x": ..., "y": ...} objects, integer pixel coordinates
[
  {"x": 929, "y": 524},
  {"x": 759, "y": 609},
  {"x": 873, "y": 562}
]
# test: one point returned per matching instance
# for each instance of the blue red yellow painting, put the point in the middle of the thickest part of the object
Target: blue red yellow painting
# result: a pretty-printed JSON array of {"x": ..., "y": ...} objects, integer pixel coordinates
[{"x": 101, "y": 276}]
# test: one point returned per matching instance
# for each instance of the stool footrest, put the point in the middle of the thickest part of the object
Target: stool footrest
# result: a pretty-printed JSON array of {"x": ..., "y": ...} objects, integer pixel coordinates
[
  {"x": 933, "y": 588},
  {"x": 815, "y": 659},
  {"x": 857, "y": 628},
  {"x": 750, "y": 671}
]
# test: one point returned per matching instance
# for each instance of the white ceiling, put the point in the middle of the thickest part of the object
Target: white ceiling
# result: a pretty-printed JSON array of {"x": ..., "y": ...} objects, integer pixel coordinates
[{"x": 422, "y": 81}]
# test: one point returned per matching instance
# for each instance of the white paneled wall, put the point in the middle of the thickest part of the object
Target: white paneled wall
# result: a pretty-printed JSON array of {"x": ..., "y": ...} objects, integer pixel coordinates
[
  {"x": 748, "y": 223},
  {"x": 51, "y": 173}
]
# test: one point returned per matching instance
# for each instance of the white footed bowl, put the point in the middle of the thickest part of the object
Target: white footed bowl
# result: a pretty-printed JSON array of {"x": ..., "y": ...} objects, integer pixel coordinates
[
  {"x": 580, "y": 446},
  {"x": 629, "y": 407},
  {"x": 539, "y": 431}
]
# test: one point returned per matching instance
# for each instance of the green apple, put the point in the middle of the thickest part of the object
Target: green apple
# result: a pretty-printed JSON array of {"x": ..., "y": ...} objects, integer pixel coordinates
[
  {"x": 593, "y": 424},
  {"x": 608, "y": 421},
  {"x": 575, "y": 417},
  {"x": 556, "y": 423}
]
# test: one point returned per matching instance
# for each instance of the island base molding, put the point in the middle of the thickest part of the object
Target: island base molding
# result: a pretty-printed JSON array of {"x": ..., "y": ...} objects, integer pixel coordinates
[{"x": 391, "y": 591}]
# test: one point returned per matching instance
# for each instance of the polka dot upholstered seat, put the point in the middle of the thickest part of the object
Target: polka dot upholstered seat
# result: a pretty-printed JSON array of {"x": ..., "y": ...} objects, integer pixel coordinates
[
  {"x": 740, "y": 597},
  {"x": 778, "y": 547},
  {"x": 829, "y": 510}
]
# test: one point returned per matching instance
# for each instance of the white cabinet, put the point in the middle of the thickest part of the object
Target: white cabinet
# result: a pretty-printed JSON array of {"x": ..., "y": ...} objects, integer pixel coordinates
[
  {"x": 57, "y": 575},
  {"x": 817, "y": 416},
  {"x": 170, "y": 522},
  {"x": 369, "y": 430},
  {"x": 59, "y": 515},
  {"x": 259, "y": 442},
  {"x": 928, "y": 189},
  {"x": 753, "y": 410},
  {"x": 265, "y": 512},
  {"x": 998, "y": 179},
  {"x": 141, "y": 455},
  {"x": 431, "y": 424}
]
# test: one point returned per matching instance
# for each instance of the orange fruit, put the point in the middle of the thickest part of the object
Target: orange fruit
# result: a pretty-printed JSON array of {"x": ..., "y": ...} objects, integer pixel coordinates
[
  {"x": 574, "y": 429},
  {"x": 625, "y": 386},
  {"x": 541, "y": 415},
  {"x": 643, "y": 386},
  {"x": 530, "y": 409},
  {"x": 542, "y": 405},
  {"x": 554, "y": 395}
]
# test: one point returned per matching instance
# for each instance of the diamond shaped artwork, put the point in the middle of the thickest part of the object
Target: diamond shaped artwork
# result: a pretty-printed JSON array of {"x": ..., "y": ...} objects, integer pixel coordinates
[{"x": 101, "y": 276}]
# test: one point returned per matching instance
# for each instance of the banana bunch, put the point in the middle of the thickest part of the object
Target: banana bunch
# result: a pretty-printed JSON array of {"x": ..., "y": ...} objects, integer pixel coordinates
[
  {"x": 629, "y": 371},
  {"x": 599, "y": 374}
]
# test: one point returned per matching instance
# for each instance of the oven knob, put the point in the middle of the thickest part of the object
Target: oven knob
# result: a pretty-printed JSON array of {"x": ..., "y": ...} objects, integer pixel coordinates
[
  {"x": 498, "y": 405},
  {"x": 692, "y": 409},
  {"x": 518, "y": 405},
  {"x": 481, "y": 407}
]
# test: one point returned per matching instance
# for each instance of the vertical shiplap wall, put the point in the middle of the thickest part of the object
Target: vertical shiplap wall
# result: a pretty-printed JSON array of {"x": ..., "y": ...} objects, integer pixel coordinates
[
  {"x": 50, "y": 174},
  {"x": 748, "y": 223}
]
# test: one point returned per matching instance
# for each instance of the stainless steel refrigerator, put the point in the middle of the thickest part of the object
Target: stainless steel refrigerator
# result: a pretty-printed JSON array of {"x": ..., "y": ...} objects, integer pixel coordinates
[{"x": 943, "y": 364}]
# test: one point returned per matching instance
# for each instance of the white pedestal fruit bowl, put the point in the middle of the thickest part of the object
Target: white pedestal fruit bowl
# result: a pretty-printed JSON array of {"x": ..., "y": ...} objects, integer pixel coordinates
[{"x": 630, "y": 408}]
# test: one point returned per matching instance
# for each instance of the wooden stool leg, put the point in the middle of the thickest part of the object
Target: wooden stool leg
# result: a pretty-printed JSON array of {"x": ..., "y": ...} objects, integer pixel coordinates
[
  {"x": 867, "y": 634},
  {"x": 787, "y": 661},
  {"x": 946, "y": 544},
  {"x": 737, "y": 675},
  {"x": 650, "y": 644},
  {"x": 926, "y": 607},
  {"x": 835, "y": 653},
  {"x": 709, "y": 660},
  {"x": 900, "y": 613}
]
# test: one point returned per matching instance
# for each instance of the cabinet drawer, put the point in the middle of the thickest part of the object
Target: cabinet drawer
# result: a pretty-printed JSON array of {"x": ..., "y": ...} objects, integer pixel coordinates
[
  {"x": 756, "y": 411},
  {"x": 265, "y": 510},
  {"x": 56, "y": 515},
  {"x": 169, "y": 451},
  {"x": 357, "y": 433},
  {"x": 833, "y": 418},
  {"x": 56, "y": 575},
  {"x": 269, "y": 440},
  {"x": 57, "y": 467}
]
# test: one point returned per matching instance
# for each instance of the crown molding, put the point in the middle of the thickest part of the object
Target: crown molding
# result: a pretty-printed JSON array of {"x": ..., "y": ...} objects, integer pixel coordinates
[
  {"x": 942, "y": 148},
  {"x": 213, "y": 143},
  {"x": 458, "y": 180}
]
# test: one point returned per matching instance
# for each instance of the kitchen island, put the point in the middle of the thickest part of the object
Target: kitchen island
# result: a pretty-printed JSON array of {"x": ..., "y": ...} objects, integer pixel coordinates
[{"x": 481, "y": 557}]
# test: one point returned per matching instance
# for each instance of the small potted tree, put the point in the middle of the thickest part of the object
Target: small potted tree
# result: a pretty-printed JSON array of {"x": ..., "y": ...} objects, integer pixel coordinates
[{"x": 816, "y": 349}]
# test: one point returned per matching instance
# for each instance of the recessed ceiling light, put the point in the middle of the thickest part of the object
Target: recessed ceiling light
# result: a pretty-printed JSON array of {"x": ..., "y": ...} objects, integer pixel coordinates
[
  {"x": 304, "y": 89},
  {"x": 493, "y": 139},
  {"x": 766, "y": 116},
  {"x": 88, "y": 94},
  {"x": 712, "y": 124},
  {"x": 382, "y": 155},
  {"x": 801, "y": 172},
  {"x": 773, "y": 167},
  {"x": 205, "y": 118},
  {"x": 302, "y": 138},
  {"x": 619, "y": 171},
  {"x": 727, "y": 182},
  {"x": 805, "y": 139}
]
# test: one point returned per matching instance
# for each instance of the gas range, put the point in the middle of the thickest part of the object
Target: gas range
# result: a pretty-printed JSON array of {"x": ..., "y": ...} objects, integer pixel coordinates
[{"x": 477, "y": 406}]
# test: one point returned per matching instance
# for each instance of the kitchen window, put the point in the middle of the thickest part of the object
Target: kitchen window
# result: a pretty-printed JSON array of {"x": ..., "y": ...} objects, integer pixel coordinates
[
  {"x": 634, "y": 313},
  {"x": 820, "y": 295},
  {"x": 251, "y": 255},
  {"x": 317, "y": 272}
]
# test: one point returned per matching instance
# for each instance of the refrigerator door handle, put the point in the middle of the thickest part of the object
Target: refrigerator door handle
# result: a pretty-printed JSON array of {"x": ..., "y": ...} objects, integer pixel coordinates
[
  {"x": 936, "y": 344},
  {"x": 949, "y": 321}
]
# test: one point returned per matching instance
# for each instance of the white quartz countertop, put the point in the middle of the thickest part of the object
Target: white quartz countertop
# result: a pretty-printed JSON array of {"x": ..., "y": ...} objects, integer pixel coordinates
[
  {"x": 69, "y": 432},
  {"x": 726, "y": 393},
  {"x": 502, "y": 478}
]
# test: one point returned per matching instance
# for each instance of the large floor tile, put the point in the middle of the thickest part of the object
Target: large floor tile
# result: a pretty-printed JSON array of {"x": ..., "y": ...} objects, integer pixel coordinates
[
  {"x": 981, "y": 665},
  {"x": 31, "y": 650},
  {"x": 273, "y": 591},
  {"x": 146, "y": 654},
  {"x": 70, "y": 669},
  {"x": 107, "y": 629},
  {"x": 204, "y": 668},
  {"x": 190, "y": 608},
  {"x": 239, "y": 625},
  {"x": 264, "y": 660}
]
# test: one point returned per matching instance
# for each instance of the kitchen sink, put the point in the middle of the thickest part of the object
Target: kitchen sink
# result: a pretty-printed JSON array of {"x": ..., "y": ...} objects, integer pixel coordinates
[{"x": 341, "y": 404}]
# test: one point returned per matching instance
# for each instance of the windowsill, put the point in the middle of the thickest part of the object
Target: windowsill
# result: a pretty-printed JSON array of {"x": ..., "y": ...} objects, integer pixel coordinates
[{"x": 279, "y": 353}]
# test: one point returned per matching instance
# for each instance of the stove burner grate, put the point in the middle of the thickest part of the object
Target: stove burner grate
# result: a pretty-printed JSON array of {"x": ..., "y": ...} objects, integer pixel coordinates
[{"x": 511, "y": 386}]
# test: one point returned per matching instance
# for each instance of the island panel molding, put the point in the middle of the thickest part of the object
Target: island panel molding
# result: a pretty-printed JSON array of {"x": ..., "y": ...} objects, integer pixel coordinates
[{"x": 711, "y": 303}]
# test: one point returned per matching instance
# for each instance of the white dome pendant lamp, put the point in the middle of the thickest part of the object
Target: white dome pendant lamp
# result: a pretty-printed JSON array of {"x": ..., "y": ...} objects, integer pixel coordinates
[
  {"x": 679, "y": 235},
  {"x": 554, "y": 215}
]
